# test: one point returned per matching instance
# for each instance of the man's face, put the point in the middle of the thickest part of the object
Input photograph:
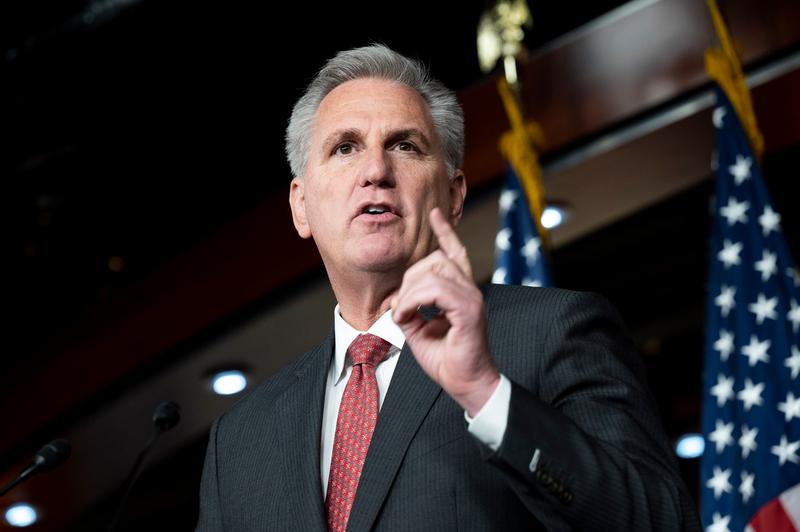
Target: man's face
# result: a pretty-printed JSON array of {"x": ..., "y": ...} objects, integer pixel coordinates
[{"x": 375, "y": 170}]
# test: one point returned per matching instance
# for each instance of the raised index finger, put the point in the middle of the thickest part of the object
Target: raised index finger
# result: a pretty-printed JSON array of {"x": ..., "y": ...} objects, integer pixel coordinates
[{"x": 449, "y": 242}]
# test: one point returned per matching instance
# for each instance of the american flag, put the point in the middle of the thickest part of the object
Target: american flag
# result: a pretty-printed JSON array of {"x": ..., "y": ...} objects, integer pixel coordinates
[
  {"x": 750, "y": 471},
  {"x": 518, "y": 246}
]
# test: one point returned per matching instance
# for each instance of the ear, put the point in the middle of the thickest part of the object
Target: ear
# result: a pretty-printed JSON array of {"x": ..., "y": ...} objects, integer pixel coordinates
[
  {"x": 458, "y": 191},
  {"x": 297, "y": 202}
]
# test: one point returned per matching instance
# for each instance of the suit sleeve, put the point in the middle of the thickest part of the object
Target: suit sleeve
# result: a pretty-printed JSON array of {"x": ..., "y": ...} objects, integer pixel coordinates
[
  {"x": 587, "y": 451},
  {"x": 210, "y": 519}
]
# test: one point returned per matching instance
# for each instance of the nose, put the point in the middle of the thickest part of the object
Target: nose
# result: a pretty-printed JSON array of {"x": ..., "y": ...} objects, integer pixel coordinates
[{"x": 376, "y": 169}]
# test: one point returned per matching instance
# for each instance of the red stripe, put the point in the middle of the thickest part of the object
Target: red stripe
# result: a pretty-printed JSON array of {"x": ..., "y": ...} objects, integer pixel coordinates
[{"x": 772, "y": 518}]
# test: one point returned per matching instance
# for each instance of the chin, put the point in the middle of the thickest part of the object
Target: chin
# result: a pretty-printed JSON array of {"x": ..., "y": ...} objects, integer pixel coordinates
[
  {"x": 380, "y": 263},
  {"x": 379, "y": 256}
]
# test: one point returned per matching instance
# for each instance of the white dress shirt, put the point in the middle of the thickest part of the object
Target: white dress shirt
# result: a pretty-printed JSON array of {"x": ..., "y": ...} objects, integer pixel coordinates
[{"x": 488, "y": 425}]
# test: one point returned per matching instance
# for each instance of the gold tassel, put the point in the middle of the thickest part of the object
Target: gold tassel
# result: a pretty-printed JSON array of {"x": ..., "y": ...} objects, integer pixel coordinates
[
  {"x": 723, "y": 65},
  {"x": 518, "y": 146}
]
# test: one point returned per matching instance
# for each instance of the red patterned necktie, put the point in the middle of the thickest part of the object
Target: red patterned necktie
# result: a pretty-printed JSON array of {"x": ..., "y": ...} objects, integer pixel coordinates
[{"x": 358, "y": 413}]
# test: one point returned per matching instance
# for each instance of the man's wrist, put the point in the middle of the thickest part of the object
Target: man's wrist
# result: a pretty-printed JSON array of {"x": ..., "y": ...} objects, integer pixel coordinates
[
  {"x": 473, "y": 402},
  {"x": 489, "y": 424}
]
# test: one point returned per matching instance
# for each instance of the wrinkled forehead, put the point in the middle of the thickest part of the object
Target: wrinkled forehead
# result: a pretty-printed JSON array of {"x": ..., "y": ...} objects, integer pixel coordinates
[{"x": 373, "y": 106}]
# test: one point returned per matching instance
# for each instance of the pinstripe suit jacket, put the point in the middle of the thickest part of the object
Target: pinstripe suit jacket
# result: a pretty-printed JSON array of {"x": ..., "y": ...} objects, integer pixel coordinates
[{"x": 583, "y": 448}]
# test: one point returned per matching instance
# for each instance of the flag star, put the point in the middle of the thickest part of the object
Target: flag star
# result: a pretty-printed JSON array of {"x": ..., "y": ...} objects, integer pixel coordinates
[
  {"x": 527, "y": 281},
  {"x": 719, "y": 482},
  {"x": 531, "y": 250},
  {"x": 507, "y": 200},
  {"x": 769, "y": 220},
  {"x": 724, "y": 344},
  {"x": 741, "y": 170},
  {"x": 767, "y": 265},
  {"x": 747, "y": 441},
  {"x": 499, "y": 276},
  {"x": 794, "y": 315},
  {"x": 791, "y": 408},
  {"x": 793, "y": 362},
  {"x": 764, "y": 308},
  {"x": 786, "y": 450},
  {"x": 734, "y": 211},
  {"x": 751, "y": 394},
  {"x": 746, "y": 487},
  {"x": 721, "y": 436},
  {"x": 730, "y": 253},
  {"x": 503, "y": 239},
  {"x": 726, "y": 299},
  {"x": 717, "y": 116},
  {"x": 756, "y": 351},
  {"x": 720, "y": 523},
  {"x": 723, "y": 390}
]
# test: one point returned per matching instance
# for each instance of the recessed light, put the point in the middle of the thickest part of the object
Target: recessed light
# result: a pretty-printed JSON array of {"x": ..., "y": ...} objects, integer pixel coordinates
[
  {"x": 228, "y": 382},
  {"x": 21, "y": 514},
  {"x": 690, "y": 446},
  {"x": 553, "y": 216}
]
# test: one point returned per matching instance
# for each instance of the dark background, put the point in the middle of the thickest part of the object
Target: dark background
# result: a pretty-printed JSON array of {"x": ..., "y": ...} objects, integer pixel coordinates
[{"x": 131, "y": 138}]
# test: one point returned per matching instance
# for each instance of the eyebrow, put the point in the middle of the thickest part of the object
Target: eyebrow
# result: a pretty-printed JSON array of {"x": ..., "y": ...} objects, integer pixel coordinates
[
  {"x": 410, "y": 133},
  {"x": 340, "y": 135}
]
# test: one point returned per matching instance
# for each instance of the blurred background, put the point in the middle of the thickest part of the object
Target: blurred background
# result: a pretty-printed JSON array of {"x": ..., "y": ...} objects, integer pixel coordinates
[{"x": 148, "y": 240}]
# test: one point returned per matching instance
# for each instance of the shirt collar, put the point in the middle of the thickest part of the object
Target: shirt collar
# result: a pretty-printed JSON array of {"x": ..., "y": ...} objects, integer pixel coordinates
[{"x": 344, "y": 335}]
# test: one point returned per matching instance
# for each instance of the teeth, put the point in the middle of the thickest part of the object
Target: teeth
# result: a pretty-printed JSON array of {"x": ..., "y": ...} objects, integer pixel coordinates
[{"x": 376, "y": 210}]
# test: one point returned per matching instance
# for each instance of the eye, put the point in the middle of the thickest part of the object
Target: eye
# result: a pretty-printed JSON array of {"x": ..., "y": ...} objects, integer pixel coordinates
[
  {"x": 344, "y": 148},
  {"x": 406, "y": 146}
]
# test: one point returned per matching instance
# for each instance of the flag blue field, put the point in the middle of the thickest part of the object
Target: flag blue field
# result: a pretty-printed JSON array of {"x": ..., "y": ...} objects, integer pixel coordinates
[
  {"x": 750, "y": 471},
  {"x": 519, "y": 255}
]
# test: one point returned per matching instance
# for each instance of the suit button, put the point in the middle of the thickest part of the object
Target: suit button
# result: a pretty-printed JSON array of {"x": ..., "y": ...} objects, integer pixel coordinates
[{"x": 566, "y": 497}]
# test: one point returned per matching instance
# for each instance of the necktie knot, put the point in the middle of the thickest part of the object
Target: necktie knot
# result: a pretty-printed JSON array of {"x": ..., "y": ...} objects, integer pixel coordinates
[{"x": 368, "y": 349}]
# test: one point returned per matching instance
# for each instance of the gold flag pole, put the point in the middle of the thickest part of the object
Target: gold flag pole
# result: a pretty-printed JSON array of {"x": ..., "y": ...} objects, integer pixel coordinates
[{"x": 500, "y": 34}]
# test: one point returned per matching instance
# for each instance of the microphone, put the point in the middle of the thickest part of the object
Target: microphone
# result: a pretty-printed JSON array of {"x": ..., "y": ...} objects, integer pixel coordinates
[
  {"x": 166, "y": 415},
  {"x": 48, "y": 457}
]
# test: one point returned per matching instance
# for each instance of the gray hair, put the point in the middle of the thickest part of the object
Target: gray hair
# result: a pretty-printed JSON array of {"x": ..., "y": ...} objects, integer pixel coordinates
[{"x": 376, "y": 61}]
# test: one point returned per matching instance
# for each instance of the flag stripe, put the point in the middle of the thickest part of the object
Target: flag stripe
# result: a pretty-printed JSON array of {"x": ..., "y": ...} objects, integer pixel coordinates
[
  {"x": 772, "y": 518},
  {"x": 790, "y": 499}
]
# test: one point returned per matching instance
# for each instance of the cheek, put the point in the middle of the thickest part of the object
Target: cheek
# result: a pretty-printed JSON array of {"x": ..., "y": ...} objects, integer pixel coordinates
[
  {"x": 318, "y": 210},
  {"x": 434, "y": 194}
]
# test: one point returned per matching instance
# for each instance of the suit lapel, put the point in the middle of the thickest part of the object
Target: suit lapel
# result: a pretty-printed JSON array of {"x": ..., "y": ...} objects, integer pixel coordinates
[
  {"x": 300, "y": 428},
  {"x": 408, "y": 400}
]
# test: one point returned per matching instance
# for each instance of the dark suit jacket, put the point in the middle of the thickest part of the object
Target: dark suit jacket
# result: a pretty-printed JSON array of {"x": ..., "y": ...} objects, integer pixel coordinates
[{"x": 578, "y": 402}]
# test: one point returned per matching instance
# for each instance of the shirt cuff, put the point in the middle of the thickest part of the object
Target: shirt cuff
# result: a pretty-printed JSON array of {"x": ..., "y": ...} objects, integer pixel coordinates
[{"x": 489, "y": 424}]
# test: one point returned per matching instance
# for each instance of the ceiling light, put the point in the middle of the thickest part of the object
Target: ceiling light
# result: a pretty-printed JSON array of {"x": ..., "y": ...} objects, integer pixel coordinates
[
  {"x": 690, "y": 446},
  {"x": 21, "y": 514},
  {"x": 553, "y": 216},
  {"x": 228, "y": 382}
]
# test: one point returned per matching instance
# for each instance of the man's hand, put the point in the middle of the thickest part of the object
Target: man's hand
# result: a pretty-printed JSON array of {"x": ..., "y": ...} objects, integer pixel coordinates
[{"x": 452, "y": 347}]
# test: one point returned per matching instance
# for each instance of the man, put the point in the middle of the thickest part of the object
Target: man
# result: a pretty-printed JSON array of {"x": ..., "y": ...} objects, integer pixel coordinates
[{"x": 509, "y": 408}]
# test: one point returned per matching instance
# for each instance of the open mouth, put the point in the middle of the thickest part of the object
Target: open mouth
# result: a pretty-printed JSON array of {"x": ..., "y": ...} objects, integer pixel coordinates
[
  {"x": 376, "y": 209},
  {"x": 377, "y": 212}
]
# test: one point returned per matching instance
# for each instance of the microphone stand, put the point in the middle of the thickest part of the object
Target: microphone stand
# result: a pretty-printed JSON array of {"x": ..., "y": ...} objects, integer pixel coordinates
[
  {"x": 166, "y": 416},
  {"x": 133, "y": 476},
  {"x": 31, "y": 469}
]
